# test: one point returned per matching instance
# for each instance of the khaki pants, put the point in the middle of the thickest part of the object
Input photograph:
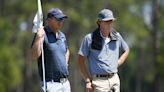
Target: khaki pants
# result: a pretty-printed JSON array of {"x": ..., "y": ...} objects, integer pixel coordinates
[{"x": 105, "y": 84}]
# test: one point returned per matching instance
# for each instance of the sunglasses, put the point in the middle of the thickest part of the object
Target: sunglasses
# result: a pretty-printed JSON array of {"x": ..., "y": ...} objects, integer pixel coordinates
[{"x": 60, "y": 19}]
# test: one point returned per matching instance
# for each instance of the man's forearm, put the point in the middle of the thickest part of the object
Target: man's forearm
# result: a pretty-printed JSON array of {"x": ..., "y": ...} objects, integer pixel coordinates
[
  {"x": 36, "y": 48},
  {"x": 83, "y": 69},
  {"x": 123, "y": 57}
]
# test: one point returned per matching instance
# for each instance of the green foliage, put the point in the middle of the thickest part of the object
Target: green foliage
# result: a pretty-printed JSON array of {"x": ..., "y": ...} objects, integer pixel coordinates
[
  {"x": 10, "y": 71},
  {"x": 15, "y": 60}
]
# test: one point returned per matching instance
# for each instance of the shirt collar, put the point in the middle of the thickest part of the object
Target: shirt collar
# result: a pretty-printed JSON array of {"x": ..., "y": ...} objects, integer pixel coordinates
[
  {"x": 112, "y": 35},
  {"x": 60, "y": 36}
]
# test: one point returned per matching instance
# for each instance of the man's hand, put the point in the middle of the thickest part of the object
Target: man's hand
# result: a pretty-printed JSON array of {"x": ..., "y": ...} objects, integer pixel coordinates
[
  {"x": 89, "y": 87},
  {"x": 40, "y": 33}
]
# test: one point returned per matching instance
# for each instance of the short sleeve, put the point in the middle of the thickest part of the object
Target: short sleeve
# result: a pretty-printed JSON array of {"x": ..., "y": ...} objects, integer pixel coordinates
[
  {"x": 122, "y": 44},
  {"x": 85, "y": 46},
  {"x": 66, "y": 43},
  {"x": 63, "y": 37}
]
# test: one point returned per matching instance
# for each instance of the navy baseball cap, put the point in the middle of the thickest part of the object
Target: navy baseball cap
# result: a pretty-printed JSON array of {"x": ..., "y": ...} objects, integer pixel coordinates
[
  {"x": 105, "y": 15},
  {"x": 56, "y": 12}
]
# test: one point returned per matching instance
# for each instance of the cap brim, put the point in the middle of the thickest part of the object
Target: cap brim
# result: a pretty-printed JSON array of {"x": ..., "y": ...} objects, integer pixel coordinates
[
  {"x": 107, "y": 19},
  {"x": 60, "y": 16}
]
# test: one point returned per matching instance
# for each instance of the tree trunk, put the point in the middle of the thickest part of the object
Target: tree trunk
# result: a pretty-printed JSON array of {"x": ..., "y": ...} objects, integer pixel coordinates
[
  {"x": 27, "y": 75},
  {"x": 138, "y": 81},
  {"x": 158, "y": 87},
  {"x": 2, "y": 4},
  {"x": 27, "y": 72}
]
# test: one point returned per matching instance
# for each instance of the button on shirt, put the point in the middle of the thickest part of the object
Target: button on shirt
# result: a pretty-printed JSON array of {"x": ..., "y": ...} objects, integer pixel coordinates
[{"x": 102, "y": 61}]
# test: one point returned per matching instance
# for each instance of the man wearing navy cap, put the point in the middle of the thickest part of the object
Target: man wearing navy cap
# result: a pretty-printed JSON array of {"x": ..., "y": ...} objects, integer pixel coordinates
[
  {"x": 56, "y": 53},
  {"x": 101, "y": 48}
]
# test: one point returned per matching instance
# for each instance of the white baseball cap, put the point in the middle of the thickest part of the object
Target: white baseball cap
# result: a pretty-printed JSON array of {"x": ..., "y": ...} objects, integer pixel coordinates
[{"x": 105, "y": 15}]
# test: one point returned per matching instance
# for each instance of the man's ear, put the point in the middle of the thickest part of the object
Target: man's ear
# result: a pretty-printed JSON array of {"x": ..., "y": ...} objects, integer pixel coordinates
[
  {"x": 48, "y": 18},
  {"x": 98, "y": 22}
]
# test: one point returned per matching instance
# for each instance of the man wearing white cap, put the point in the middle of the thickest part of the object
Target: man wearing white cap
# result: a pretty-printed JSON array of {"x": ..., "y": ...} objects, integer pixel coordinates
[{"x": 101, "y": 48}]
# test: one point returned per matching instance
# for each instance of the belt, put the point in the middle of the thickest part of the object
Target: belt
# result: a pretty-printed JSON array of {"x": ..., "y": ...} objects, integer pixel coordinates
[
  {"x": 110, "y": 75},
  {"x": 61, "y": 80}
]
